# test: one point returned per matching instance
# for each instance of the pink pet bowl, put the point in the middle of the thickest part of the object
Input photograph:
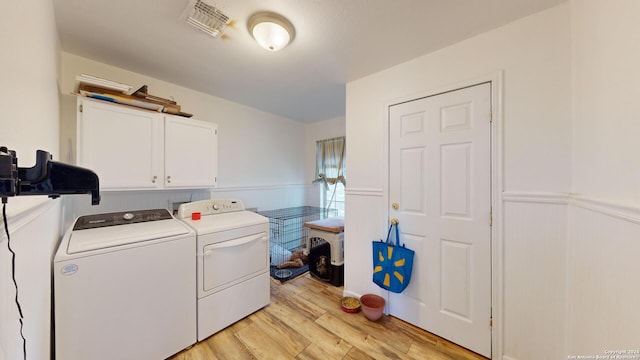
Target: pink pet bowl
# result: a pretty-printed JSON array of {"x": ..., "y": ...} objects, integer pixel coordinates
[{"x": 372, "y": 306}]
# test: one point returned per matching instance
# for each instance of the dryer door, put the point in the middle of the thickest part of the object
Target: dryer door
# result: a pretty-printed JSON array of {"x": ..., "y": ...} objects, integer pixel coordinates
[{"x": 230, "y": 262}]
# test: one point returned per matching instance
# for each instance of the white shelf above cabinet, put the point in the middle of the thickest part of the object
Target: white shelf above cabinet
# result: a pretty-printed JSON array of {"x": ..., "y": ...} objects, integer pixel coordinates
[{"x": 133, "y": 149}]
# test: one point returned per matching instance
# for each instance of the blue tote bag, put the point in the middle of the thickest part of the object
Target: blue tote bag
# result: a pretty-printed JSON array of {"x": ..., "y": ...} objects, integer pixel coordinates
[{"x": 392, "y": 263}]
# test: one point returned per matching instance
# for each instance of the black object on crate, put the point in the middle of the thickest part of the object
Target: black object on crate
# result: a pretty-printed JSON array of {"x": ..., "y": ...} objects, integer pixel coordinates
[{"x": 320, "y": 265}]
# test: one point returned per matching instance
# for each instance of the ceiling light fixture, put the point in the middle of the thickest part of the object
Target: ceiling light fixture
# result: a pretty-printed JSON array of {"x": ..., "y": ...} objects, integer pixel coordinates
[{"x": 272, "y": 31}]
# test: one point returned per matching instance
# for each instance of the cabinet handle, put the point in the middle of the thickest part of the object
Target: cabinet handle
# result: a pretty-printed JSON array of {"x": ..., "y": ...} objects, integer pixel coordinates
[
  {"x": 169, "y": 179},
  {"x": 154, "y": 179}
]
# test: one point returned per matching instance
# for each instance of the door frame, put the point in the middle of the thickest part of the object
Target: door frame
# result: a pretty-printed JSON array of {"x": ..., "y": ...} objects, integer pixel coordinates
[{"x": 497, "y": 180}]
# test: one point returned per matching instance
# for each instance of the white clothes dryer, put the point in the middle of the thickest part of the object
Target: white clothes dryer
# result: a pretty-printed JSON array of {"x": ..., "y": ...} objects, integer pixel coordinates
[
  {"x": 124, "y": 287},
  {"x": 232, "y": 261}
]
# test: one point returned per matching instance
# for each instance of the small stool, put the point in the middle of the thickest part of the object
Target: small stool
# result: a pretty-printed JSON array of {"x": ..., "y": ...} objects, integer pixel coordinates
[{"x": 326, "y": 260}]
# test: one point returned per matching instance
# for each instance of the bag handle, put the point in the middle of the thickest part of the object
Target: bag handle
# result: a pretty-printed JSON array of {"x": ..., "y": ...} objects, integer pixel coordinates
[
  {"x": 394, "y": 223},
  {"x": 389, "y": 233}
]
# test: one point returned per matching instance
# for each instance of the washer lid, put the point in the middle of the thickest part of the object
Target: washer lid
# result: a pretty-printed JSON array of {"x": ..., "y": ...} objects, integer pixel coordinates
[{"x": 110, "y": 236}]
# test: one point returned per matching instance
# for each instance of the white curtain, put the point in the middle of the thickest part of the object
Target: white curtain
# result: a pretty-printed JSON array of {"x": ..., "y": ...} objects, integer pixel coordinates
[
  {"x": 330, "y": 161},
  {"x": 330, "y": 167}
]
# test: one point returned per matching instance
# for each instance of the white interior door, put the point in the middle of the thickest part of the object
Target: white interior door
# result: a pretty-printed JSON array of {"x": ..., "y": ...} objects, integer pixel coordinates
[{"x": 440, "y": 179}]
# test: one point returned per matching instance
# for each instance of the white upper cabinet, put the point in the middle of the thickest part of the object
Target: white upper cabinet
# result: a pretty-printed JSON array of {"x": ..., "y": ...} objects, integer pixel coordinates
[
  {"x": 190, "y": 147},
  {"x": 131, "y": 149}
]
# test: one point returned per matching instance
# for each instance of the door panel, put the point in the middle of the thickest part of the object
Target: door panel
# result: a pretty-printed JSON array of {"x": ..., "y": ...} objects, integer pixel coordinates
[
  {"x": 440, "y": 176},
  {"x": 455, "y": 179},
  {"x": 455, "y": 271},
  {"x": 412, "y": 180}
]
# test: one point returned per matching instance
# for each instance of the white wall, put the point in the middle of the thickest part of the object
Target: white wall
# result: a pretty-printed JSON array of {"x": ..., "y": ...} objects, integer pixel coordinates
[
  {"x": 534, "y": 276},
  {"x": 606, "y": 54},
  {"x": 602, "y": 294},
  {"x": 34, "y": 236},
  {"x": 604, "y": 246},
  {"x": 534, "y": 55},
  {"x": 259, "y": 154},
  {"x": 29, "y": 121},
  {"x": 29, "y": 79}
]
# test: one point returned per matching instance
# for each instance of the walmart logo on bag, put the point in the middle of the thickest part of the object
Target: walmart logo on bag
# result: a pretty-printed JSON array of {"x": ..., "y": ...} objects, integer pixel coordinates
[{"x": 396, "y": 264}]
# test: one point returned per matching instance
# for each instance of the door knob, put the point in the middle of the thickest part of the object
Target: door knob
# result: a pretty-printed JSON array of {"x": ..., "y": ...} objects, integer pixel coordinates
[
  {"x": 395, "y": 221},
  {"x": 395, "y": 206}
]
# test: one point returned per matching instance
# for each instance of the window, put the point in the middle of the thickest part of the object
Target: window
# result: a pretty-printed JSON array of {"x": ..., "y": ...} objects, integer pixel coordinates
[{"x": 331, "y": 173}]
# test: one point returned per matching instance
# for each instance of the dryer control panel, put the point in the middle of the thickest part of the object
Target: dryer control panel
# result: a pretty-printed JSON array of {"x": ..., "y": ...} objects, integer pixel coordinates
[{"x": 209, "y": 207}]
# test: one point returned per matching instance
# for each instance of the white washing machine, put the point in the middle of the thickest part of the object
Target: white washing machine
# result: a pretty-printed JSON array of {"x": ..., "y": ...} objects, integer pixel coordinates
[
  {"x": 124, "y": 287},
  {"x": 233, "y": 261}
]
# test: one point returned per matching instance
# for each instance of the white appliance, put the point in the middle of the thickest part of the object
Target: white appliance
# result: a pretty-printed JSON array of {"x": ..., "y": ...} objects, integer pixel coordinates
[
  {"x": 124, "y": 287},
  {"x": 233, "y": 261}
]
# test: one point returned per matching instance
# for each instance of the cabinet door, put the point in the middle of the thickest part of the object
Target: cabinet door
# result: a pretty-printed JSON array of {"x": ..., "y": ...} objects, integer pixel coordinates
[
  {"x": 191, "y": 158},
  {"x": 122, "y": 145}
]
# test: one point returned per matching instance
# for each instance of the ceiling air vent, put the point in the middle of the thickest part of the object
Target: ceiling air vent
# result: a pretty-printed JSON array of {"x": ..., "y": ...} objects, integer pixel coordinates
[{"x": 207, "y": 18}]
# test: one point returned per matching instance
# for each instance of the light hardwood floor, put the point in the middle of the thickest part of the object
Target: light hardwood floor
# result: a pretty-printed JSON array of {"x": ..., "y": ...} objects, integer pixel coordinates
[{"x": 304, "y": 321}]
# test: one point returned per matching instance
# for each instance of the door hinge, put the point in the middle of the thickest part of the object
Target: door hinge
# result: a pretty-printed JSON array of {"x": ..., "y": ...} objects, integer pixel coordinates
[
  {"x": 491, "y": 323},
  {"x": 490, "y": 116},
  {"x": 491, "y": 218},
  {"x": 80, "y": 107},
  {"x": 216, "y": 131}
]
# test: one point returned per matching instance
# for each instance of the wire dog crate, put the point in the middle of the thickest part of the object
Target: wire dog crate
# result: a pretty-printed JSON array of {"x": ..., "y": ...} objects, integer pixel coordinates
[{"x": 287, "y": 231}]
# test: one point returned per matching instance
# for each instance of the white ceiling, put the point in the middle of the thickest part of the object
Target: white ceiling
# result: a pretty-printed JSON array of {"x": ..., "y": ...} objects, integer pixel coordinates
[{"x": 336, "y": 41}]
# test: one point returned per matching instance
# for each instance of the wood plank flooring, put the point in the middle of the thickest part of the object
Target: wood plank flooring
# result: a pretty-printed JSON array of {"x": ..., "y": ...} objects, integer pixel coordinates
[{"x": 304, "y": 321}]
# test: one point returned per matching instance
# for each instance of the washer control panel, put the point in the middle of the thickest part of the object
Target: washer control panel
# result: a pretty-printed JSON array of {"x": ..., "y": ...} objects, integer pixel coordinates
[
  {"x": 209, "y": 207},
  {"x": 120, "y": 218}
]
